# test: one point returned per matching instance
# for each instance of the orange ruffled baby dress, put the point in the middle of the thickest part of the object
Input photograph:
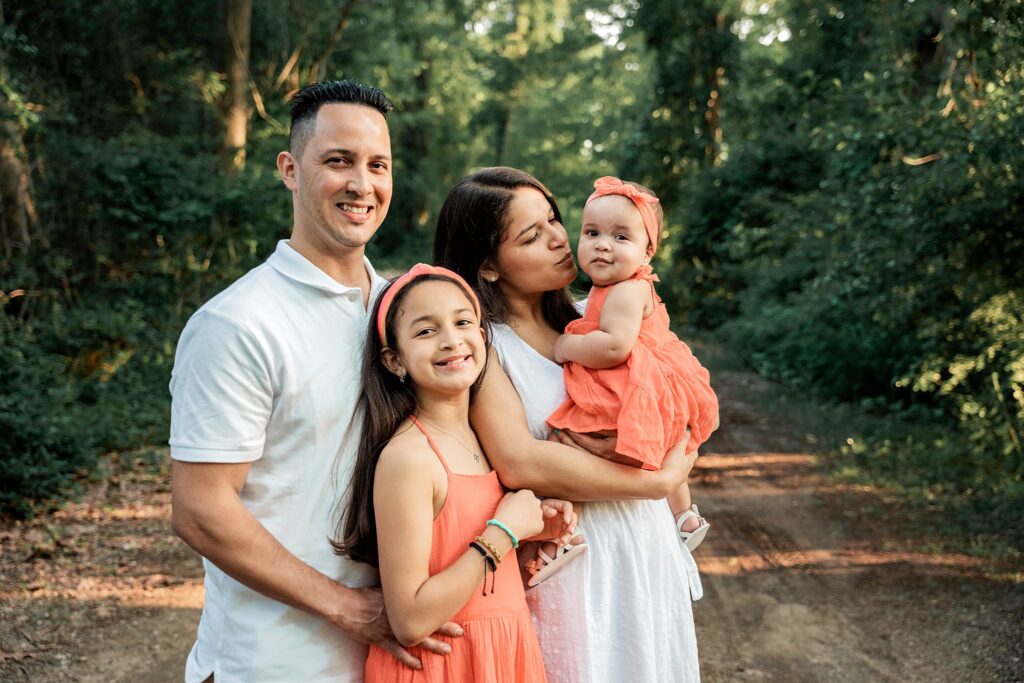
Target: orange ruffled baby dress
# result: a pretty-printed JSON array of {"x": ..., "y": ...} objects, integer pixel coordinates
[
  {"x": 650, "y": 399},
  {"x": 499, "y": 642}
]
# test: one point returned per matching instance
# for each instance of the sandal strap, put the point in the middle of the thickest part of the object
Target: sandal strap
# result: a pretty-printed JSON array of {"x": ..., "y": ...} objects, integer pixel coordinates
[{"x": 681, "y": 519}]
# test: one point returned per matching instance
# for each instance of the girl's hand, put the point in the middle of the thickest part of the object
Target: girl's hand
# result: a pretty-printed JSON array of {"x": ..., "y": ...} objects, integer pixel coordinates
[
  {"x": 521, "y": 512},
  {"x": 559, "y": 521}
]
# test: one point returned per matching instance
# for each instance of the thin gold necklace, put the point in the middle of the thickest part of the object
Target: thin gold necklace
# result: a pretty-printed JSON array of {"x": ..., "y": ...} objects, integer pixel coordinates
[{"x": 476, "y": 456}]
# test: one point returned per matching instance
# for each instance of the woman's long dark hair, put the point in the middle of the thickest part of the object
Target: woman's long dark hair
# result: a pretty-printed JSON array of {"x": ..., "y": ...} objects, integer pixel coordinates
[
  {"x": 470, "y": 228},
  {"x": 384, "y": 404}
]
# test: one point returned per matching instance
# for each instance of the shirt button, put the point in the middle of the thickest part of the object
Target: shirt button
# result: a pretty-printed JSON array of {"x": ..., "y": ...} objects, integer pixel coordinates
[{"x": 353, "y": 296}]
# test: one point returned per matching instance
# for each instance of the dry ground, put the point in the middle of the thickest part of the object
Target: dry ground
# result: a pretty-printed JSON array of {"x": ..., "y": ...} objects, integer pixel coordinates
[{"x": 802, "y": 582}]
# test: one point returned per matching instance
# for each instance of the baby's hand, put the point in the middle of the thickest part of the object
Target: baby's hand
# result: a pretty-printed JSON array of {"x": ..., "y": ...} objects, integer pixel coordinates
[
  {"x": 559, "y": 521},
  {"x": 560, "y": 348}
]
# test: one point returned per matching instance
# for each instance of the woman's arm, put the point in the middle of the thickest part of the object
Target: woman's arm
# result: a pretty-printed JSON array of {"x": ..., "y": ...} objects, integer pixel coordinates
[
  {"x": 403, "y": 496},
  {"x": 619, "y": 327},
  {"x": 552, "y": 469}
]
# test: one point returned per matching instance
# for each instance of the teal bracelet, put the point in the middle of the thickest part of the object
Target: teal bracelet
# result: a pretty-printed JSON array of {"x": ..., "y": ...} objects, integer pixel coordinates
[{"x": 501, "y": 525}]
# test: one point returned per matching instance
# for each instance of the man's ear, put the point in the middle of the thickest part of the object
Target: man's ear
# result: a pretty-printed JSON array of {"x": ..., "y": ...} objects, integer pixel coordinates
[
  {"x": 288, "y": 168},
  {"x": 389, "y": 359}
]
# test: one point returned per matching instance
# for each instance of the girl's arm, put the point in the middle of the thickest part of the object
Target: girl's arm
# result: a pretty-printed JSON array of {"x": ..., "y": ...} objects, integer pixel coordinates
[
  {"x": 621, "y": 317},
  {"x": 417, "y": 603},
  {"x": 553, "y": 469}
]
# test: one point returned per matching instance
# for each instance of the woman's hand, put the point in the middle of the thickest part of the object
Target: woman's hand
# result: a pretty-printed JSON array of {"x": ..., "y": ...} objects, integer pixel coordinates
[
  {"x": 601, "y": 444},
  {"x": 521, "y": 512},
  {"x": 675, "y": 468},
  {"x": 559, "y": 521}
]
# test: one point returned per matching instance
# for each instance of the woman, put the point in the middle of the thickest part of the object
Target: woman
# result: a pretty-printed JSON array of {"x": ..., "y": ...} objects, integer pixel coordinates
[{"x": 622, "y": 610}]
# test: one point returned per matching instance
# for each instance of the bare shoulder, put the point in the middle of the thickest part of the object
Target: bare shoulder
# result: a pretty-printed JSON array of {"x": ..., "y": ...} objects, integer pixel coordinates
[
  {"x": 407, "y": 454},
  {"x": 630, "y": 287},
  {"x": 630, "y": 294}
]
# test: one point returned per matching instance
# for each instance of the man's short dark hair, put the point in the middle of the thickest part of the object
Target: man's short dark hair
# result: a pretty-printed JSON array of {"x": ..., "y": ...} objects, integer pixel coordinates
[{"x": 306, "y": 102}]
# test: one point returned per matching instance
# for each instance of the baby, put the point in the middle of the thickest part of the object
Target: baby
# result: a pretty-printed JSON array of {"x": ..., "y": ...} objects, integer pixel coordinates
[{"x": 625, "y": 370}]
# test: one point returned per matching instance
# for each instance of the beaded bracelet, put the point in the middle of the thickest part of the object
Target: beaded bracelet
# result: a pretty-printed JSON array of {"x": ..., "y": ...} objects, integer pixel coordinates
[
  {"x": 490, "y": 546},
  {"x": 504, "y": 527},
  {"x": 488, "y": 562}
]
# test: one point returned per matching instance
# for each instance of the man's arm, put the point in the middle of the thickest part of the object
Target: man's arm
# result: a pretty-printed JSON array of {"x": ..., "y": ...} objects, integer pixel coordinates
[
  {"x": 208, "y": 514},
  {"x": 552, "y": 469}
]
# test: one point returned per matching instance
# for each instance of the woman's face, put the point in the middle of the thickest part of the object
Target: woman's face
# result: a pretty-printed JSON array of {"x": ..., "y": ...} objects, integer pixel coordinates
[{"x": 534, "y": 255}]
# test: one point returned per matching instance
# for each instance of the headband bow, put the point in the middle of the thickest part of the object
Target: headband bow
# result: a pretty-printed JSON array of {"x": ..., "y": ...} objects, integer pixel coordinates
[
  {"x": 644, "y": 201},
  {"x": 402, "y": 281}
]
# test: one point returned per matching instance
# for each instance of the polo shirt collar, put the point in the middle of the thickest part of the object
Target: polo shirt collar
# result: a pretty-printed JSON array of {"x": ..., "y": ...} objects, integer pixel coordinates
[{"x": 295, "y": 266}]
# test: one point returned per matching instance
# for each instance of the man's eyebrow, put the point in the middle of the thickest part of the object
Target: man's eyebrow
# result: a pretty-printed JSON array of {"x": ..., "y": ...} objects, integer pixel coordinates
[{"x": 342, "y": 150}]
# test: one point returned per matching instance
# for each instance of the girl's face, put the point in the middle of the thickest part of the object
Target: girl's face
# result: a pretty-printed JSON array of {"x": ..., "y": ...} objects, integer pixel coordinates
[
  {"x": 440, "y": 343},
  {"x": 613, "y": 242},
  {"x": 534, "y": 255}
]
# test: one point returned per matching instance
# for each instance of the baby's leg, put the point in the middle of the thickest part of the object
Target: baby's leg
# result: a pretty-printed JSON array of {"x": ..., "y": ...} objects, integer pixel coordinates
[
  {"x": 679, "y": 501},
  {"x": 692, "y": 527}
]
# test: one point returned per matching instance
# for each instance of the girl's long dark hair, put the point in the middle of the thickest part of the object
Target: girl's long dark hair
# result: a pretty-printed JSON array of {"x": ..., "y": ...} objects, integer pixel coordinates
[
  {"x": 469, "y": 231},
  {"x": 384, "y": 404}
]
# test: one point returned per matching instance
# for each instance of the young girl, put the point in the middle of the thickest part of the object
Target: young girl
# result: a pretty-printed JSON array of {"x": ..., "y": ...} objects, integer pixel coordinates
[
  {"x": 624, "y": 369},
  {"x": 426, "y": 507}
]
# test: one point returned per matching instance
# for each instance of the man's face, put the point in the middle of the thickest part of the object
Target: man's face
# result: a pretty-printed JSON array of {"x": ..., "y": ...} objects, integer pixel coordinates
[{"x": 342, "y": 182}]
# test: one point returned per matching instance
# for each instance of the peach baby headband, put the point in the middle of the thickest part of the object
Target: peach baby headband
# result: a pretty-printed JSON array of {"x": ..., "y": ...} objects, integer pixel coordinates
[
  {"x": 403, "y": 280},
  {"x": 645, "y": 203}
]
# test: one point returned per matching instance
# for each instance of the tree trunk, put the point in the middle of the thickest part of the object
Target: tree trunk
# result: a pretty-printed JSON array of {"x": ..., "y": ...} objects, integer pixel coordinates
[
  {"x": 17, "y": 212},
  {"x": 237, "y": 107}
]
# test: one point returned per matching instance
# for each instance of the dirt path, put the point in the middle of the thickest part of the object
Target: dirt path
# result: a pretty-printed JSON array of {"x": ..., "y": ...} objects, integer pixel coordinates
[{"x": 801, "y": 583}]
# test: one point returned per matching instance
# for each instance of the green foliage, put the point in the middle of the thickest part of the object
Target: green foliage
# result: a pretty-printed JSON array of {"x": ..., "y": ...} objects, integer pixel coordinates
[
  {"x": 841, "y": 181},
  {"x": 46, "y": 440},
  {"x": 121, "y": 109},
  {"x": 861, "y": 236}
]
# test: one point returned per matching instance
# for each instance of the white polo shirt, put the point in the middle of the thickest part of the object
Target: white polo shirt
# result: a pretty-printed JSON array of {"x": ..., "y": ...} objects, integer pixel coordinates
[{"x": 268, "y": 372}]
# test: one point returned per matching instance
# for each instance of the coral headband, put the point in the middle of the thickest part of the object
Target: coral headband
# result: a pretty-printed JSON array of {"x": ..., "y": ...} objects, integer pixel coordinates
[
  {"x": 402, "y": 281},
  {"x": 645, "y": 203}
]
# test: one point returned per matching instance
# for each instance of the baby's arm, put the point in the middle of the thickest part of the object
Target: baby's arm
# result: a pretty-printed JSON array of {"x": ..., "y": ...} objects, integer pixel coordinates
[
  {"x": 623, "y": 312},
  {"x": 403, "y": 494}
]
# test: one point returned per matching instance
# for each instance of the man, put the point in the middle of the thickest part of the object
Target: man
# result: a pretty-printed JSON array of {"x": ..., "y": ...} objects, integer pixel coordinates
[{"x": 264, "y": 387}]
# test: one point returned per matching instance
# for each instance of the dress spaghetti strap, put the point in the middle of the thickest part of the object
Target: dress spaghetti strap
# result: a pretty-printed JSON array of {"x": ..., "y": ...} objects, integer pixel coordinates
[{"x": 433, "y": 444}]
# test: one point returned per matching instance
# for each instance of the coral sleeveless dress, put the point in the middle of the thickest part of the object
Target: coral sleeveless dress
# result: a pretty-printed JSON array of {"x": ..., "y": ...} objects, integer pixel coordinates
[
  {"x": 499, "y": 642},
  {"x": 651, "y": 398}
]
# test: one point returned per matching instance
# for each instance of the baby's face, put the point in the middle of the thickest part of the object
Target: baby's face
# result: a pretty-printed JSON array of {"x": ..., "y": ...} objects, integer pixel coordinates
[{"x": 613, "y": 242}]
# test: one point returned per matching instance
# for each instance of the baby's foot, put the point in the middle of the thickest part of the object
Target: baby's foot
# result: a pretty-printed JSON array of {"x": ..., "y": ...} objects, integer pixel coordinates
[
  {"x": 692, "y": 527},
  {"x": 552, "y": 558},
  {"x": 548, "y": 548}
]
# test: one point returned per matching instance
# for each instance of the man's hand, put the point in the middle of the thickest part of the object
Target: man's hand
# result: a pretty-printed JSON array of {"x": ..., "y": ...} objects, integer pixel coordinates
[
  {"x": 367, "y": 622},
  {"x": 601, "y": 444}
]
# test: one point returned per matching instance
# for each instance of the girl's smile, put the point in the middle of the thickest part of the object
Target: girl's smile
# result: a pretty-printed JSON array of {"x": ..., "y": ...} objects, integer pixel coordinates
[{"x": 438, "y": 338}]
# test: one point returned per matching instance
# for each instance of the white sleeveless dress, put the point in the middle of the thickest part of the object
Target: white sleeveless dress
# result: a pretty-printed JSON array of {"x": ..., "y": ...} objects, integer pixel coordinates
[{"x": 622, "y": 611}]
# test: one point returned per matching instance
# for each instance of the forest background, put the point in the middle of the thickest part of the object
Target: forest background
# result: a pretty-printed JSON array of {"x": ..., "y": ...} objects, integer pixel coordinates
[{"x": 842, "y": 182}]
